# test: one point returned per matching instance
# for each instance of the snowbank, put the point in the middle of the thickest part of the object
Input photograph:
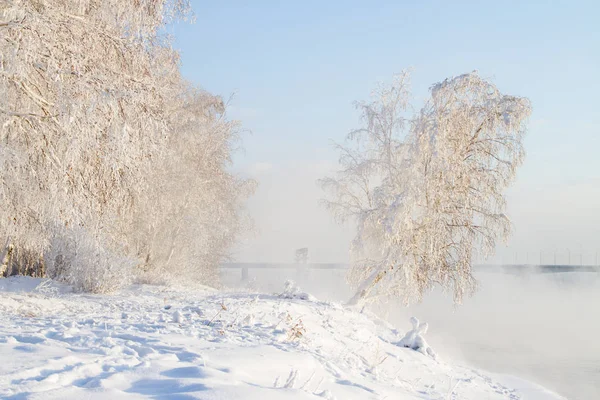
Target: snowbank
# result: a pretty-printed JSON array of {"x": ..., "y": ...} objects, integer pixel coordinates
[{"x": 160, "y": 343}]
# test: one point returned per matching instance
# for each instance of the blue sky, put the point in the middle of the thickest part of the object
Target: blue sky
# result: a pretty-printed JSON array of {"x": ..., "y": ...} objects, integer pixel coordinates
[{"x": 296, "y": 68}]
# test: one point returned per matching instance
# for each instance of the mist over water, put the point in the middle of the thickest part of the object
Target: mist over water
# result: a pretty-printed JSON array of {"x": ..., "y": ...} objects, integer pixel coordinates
[
  {"x": 543, "y": 327},
  {"x": 539, "y": 326}
]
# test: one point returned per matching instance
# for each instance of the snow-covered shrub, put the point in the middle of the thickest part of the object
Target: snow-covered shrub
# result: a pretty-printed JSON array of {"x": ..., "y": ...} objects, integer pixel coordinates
[
  {"x": 292, "y": 291},
  {"x": 409, "y": 338},
  {"x": 47, "y": 288},
  {"x": 297, "y": 330},
  {"x": 81, "y": 260},
  {"x": 414, "y": 338}
]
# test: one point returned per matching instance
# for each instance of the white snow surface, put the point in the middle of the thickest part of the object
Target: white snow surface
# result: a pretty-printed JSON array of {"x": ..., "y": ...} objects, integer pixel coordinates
[{"x": 182, "y": 344}]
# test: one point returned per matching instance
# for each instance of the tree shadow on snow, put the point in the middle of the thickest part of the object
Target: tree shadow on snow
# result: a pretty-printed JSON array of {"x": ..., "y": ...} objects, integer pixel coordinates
[{"x": 164, "y": 388}]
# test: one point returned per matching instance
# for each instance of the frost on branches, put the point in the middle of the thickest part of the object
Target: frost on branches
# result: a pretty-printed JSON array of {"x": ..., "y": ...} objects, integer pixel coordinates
[
  {"x": 111, "y": 165},
  {"x": 426, "y": 189}
]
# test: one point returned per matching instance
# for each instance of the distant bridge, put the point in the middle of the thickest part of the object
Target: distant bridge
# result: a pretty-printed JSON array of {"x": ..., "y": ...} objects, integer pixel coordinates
[{"x": 511, "y": 268}]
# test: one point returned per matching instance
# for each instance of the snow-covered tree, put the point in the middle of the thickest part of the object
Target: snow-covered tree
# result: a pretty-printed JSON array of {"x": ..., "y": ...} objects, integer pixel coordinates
[
  {"x": 96, "y": 121},
  {"x": 426, "y": 189},
  {"x": 190, "y": 218}
]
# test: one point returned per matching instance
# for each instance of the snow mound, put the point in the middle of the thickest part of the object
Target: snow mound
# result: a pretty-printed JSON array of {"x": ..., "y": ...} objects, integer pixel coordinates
[
  {"x": 160, "y": 343},
  {"x": 414, "y": 338}
]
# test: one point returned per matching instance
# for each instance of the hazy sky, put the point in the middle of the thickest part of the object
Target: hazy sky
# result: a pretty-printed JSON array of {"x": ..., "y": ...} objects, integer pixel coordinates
[{"x": 297, "y": 67}]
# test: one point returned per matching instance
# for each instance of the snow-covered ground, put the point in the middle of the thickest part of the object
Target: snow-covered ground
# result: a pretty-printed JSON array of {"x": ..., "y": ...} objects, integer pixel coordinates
[
  {"x": 165, "y": 343},
  {"x": 538, "y": 326}
]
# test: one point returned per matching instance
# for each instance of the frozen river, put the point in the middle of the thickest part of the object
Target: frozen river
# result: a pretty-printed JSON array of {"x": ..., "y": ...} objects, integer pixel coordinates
[{"x": 544, "y": 327}]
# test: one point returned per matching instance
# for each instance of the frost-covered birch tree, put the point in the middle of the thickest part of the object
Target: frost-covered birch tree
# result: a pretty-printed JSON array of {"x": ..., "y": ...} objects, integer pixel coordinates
[
  {"x": 426, "y": 188},
  {"x": 187, "y": 223},
  {"x": 90, "y": 110}
]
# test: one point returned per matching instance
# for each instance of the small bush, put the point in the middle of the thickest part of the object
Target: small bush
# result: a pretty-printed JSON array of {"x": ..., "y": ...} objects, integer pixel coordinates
[{"x": 79, "y": 259}]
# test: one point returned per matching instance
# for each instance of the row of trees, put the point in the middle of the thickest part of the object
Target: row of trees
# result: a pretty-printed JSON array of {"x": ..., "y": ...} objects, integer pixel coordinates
[
  {"x": 112, "y": 166},
  {"x": 426, "y": 187}
]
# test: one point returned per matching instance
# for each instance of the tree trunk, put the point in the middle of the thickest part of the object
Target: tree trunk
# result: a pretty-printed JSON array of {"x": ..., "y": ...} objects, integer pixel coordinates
[
  {"x": 6, "y": 258},
  {"x": 366, "y": 287}
]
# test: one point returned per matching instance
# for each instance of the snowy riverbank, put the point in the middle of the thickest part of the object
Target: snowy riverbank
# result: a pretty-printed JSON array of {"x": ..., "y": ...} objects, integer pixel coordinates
[{"x": 164, "y": 343}]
